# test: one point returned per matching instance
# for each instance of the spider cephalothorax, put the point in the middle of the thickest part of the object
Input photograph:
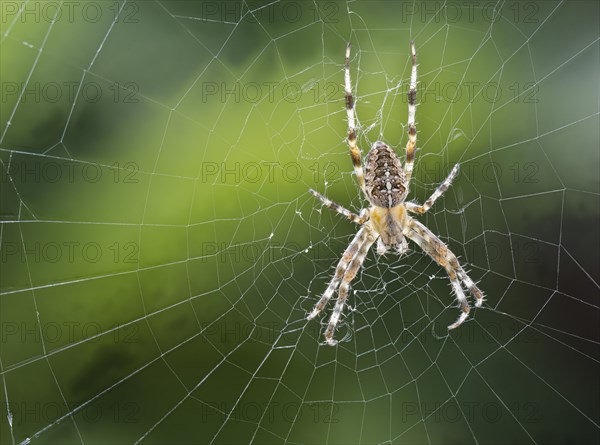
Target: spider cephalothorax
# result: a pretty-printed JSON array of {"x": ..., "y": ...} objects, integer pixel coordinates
[{"x": 385, "y": 183}]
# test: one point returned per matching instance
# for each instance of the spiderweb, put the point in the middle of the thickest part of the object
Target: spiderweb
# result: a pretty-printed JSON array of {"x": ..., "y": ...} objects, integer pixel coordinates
[{"x": 160, "y": 251}]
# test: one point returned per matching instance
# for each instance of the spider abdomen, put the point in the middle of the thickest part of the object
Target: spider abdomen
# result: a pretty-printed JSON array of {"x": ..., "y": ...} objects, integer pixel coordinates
[{"x": 385, "y": 181}]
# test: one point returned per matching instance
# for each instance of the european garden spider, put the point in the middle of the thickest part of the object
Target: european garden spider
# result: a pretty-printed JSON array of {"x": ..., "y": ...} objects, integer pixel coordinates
[{"x": 385, "y": 184}]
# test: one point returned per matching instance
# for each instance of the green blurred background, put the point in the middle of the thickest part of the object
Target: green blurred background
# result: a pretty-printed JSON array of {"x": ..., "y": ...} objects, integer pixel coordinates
[{"x": 160, "y": 250}]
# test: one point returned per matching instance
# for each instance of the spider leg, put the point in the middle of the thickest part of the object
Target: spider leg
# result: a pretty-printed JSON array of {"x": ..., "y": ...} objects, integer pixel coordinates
[
  {"x": 440, "y": 253},
  {"x": 349, "y": 275},
  {"x": 442, "y": 188},
  {"x": 340, "y": 269},
  {"x": 381, "y": 247},
  {"x": 338, "y": 208},
  {"x": 354, "y": 150},
  {"x": 402, "y": 248},
  {"x": 412, "y": 108},
  {"x": 470, "y": 285}
]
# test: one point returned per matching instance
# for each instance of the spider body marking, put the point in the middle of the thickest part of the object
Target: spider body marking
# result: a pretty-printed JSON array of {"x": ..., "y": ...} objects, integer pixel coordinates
[
  {"x": 385, "y": 180},
  {"x": 386, "y": 190},
  {"x": 385, "y": 183}
]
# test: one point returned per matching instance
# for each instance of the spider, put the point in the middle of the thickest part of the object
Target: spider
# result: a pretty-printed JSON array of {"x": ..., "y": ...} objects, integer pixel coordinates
[{"x": 384, "y": 181}]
